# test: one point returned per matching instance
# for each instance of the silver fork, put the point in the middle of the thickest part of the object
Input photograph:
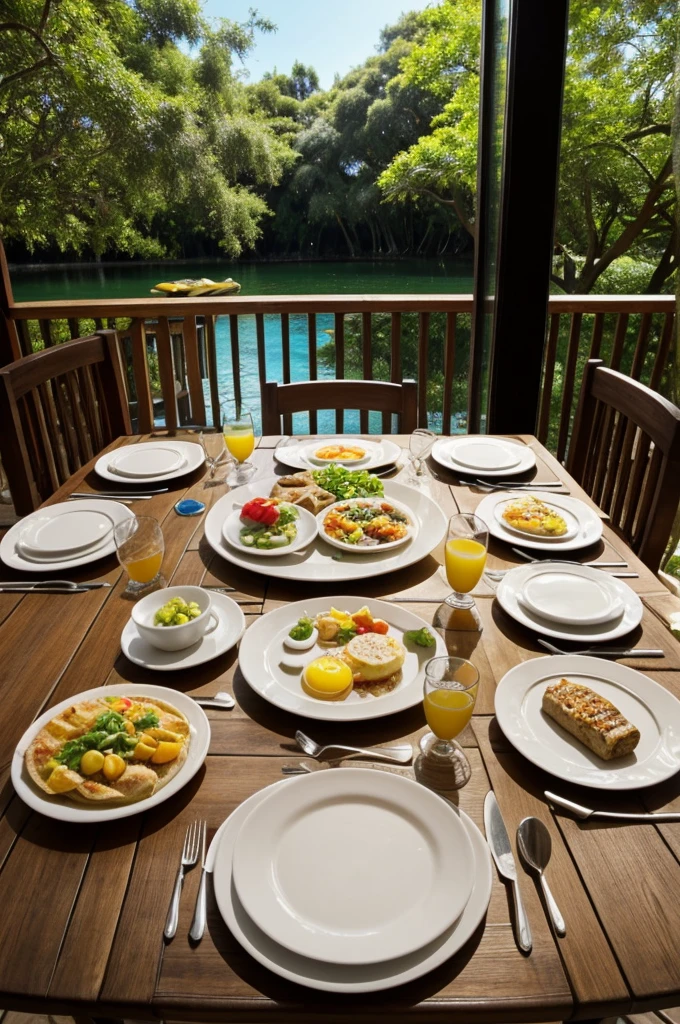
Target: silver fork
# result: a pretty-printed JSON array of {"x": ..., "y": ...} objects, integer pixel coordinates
[
  {"x": 607, "y": 652},
  {"x": 595, "y": 564},
  {"x": 484, "y": 486},
  {"x": 193, "y": 841},
  {"x": 401, "y": 754}
]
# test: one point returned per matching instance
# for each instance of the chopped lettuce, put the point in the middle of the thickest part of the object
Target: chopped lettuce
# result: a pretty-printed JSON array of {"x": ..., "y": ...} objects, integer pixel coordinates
[
  {"x": 348, "y": 483},
  {"x": 422, "y": 637}
]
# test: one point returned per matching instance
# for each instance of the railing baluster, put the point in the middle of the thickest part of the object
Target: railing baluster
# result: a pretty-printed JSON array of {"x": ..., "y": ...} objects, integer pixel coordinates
[
  {"x": 285, "y": 347},
  {"x": 395, "y": 348},
  {"x": 619, "y": 340},
  {"x": 261, "y": 353},
  {"x": 641, "y": 346},
  {"x": 140, "y": 370},
  {"x": 311, "y": 346},
  {"x": 339, "y": 364},
  {"x": 548, "y": 377},
  {"x": 660, "y": 361},
  {"x": 24, "y": 337},
  {"x": 449, "y": 367},
  {"x": 194, "y": 378},
  {"x": 46, "y": 332},
  {"x": 596, "y": 337},
  {"x": 211, "y": 356},
  {"x": 73, "y": 327},
  {"x": 366, "y": 363},
  {"x": 568, "y": 388},
  {"x": 423, "y": 339},
  {"x": 166, "y": 372},
  {"x": 235, "y": 358}
]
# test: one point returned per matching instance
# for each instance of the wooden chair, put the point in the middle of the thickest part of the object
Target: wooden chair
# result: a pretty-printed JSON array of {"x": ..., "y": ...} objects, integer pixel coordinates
[
  {"x": 282, "y": 400},
  {"x": 59, "y": 408},
  {"x": 625, "y": 452}
]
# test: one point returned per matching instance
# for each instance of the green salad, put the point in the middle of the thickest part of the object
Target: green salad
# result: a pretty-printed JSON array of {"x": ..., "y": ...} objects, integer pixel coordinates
[{"x": 348, "y": 483}]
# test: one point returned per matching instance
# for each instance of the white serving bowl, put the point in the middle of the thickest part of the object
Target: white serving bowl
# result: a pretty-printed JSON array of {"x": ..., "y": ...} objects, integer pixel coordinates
[{"x": 174, "y": 638}]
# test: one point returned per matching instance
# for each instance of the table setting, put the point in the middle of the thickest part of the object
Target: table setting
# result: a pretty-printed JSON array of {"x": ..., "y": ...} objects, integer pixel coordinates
[{"x": 331, "y": 800}]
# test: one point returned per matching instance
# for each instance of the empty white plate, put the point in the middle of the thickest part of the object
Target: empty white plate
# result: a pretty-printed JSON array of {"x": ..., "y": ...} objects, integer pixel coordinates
[
  {"x": 335, "y": 977},
  {"x": 488, "y": 456},
  {"x": 512, "y": 586},
  {"x": 571, "y": 598},
  {"x": 306, "y": 532},
  {"x": 71, "y": 530},
  {"x": 353, "y": 867},
  {"x": 146, "y": 461}
]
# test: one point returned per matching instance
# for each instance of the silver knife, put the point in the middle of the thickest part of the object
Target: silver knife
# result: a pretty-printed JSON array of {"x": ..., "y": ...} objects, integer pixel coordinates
[
  {"x": 586, "y": 814},
  {"x": 44, "y": 586},
  {"x": 499, "y": 844},
  {"x": 117, "y": 494},
  {"x": 200, "y": 912}
]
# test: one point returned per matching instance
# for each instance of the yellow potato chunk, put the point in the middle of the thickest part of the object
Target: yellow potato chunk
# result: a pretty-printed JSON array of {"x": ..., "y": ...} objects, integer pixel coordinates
[
  {"x": 164, "y": 734},
  {"x": 143, "y": 751},
  {"x": 92, "y": 761},
  {"x": 63, "y": 779},
  {"x": 114, "y": 766},
  {"x": 166, "y": 751}
]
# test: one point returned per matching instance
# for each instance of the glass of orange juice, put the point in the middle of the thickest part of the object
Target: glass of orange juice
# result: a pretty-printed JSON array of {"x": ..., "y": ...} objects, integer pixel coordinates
[
  {"x": 239, "y": 437},
  {"x": 467, "y": 542},
  {"x": 140, "y": 547},
  {"x": 450, "y": 694}
]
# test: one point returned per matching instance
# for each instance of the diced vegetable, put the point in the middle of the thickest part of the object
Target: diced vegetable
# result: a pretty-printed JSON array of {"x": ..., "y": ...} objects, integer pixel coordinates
[
  {"x": 92, "y": 761},
  {"x": 165, "y": 752},
  {"x": 176, "y": 612},
  {"x": 422, "y": 637}
]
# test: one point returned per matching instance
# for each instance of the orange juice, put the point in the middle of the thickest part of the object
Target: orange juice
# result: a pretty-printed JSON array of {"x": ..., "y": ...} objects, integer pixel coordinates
[
  {"x": 465, "y": 561},
  {"x": 143, "y": 570},
  {"x": 449, "y": 711},
  {"x": 240, "y": 443}
]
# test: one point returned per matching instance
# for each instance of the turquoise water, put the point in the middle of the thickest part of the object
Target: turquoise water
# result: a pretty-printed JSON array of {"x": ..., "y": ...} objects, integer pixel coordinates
[{"x": 379, "y": 277}]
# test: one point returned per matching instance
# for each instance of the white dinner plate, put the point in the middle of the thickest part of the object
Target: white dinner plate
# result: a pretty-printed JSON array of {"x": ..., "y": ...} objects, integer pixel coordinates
[
  {"x": 411, "y": 532},
  {"x": 63, "y": 809},
  {"x": 231, "y": 624},
  {"x": 307, "y": 529},
  {"x": 319, "y": 563},
  {"x": 380, "y": 451},
  {"x": 588, "y": 530},
  {"x": 10, "y": 546},
  {"x": 407, "y": 856},
  {"x": 274, "y": 671},
  {"x": 184, "y": 456},
  {"x": 63, "y": 535},
  {"x": 327, "y": 977},
  {"x": 479, "y": 455},
  {"x": 512, "y": 585},
  {"x": 646, "y": 704},
  {"x": 138, "y": 462},
  {"x": 571, "y": 598},
  {"x": 371, "y": 450}
]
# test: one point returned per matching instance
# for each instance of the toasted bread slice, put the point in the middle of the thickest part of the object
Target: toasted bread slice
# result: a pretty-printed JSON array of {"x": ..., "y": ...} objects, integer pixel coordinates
[{"x": 591, "y": 719}]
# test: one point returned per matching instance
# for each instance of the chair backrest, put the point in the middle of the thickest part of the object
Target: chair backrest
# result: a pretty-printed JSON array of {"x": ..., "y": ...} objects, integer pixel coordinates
[
  {"x": 625, "y": 452},
  {"x": 282, "y": 400},
  {"x": 59, "y": 408}
]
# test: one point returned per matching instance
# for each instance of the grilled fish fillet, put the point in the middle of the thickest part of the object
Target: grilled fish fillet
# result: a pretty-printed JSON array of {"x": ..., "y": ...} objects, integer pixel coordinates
[{"x": 591, "y": 719}]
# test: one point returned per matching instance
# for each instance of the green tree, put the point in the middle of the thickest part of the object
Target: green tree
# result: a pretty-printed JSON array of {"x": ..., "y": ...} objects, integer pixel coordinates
[{"x": 113, "y": 139}]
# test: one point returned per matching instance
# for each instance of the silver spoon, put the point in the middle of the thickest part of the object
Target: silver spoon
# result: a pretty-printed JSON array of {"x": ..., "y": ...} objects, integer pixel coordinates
[
  {"x": 222, "y": 700},
  {"x": 533, "y": 842}
]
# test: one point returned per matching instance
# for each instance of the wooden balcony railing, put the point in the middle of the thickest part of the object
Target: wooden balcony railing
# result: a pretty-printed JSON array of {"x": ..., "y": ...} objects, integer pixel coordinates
[{"x": 164, "y": 341}]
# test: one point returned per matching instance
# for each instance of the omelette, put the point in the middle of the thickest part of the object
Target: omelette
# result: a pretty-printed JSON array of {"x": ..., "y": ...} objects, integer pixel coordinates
[
  {"x": 109, "y": 751},
  {"x": 531, "y": 515}
]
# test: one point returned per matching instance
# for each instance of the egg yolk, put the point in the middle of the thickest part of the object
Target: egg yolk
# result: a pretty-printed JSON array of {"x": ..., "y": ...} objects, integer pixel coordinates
[{"x": 328, "y": 675}]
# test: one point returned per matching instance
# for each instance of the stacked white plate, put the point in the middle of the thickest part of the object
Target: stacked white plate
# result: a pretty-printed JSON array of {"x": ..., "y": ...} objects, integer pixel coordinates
[
  {"x": 350, "y": 880},
  {"x": 150, "y": 462},
  {"x": 570, "y": 602},
  {"x": 63, "y": 536},
  {"x": 483, "y": 456},
  {"x": 303, "y": 455}
]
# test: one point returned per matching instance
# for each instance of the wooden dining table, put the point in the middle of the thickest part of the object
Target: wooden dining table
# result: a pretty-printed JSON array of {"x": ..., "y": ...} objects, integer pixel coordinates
[{"x": 84, "y": 906}]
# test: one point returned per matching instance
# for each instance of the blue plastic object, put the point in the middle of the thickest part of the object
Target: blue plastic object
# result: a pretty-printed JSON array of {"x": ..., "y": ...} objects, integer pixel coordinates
[{"x": 189, "y": 507}]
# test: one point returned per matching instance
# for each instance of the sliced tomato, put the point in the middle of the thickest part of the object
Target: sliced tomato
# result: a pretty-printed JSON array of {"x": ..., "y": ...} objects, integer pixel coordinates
[{"x": 261, "y": 510}]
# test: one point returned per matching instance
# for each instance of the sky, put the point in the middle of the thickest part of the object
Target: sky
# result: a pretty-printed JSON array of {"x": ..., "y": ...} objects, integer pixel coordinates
[{"x": 331, "y": 35}]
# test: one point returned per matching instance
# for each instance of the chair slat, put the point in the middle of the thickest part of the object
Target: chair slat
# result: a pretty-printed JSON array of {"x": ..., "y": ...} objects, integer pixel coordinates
[
  {"x": 647, "y": 493},
  {"x": 42, "y": 437},
  {"x": 594, "y": 462},
  {"x": 548, "y": 378},
  {"x": 339, "y": 321},
  {"x": 661, "y": 358},
  {"x": 140, "y": 372},
  {"x": 45, "y": 393},
  {"x": 311, "y": 343},
  {"x": 568, "y": 387},
  {"x": 641, "y": 346},
  {"x": 605, "y": 464},
  {"x": 102, "y": 407},
  {"x": 423, "y": 344},
  {"x": 281, "y": 399},
  {"x": 90, "y": 406},
  {"x": 194, "y": 378},
  {"x": 166, "y": 372},
  {"x": 619, "y": 340},
  {"x": 641, "y": 456},
  {"x": 67, "y": 433},
  {"x": 85, "y": 451}
]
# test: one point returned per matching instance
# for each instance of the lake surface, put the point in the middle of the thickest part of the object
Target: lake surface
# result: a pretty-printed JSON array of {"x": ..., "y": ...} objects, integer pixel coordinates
[{"x": 105, "y": 281}]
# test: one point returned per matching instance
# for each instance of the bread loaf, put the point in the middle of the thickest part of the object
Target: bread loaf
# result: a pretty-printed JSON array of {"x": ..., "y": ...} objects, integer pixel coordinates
[{"x": 591, "y": 719}]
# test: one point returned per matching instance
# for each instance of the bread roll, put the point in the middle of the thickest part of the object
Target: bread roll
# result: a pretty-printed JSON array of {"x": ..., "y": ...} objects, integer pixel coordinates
[{"x": 591, "y": 719}]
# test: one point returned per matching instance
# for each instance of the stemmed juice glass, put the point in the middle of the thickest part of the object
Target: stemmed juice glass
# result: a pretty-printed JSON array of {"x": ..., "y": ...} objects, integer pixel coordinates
[
  {"x": 140, "y": 547},
  {"x": 450, "y": 692},
  {"x": 239, "y": 437},
  {"x": 467, "y": 543}
]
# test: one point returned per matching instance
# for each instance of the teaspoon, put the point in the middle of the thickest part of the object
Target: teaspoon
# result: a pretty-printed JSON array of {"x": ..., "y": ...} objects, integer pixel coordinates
[
  {"x": 533, "y": 842},
  {"x": 222, "y": 700}
]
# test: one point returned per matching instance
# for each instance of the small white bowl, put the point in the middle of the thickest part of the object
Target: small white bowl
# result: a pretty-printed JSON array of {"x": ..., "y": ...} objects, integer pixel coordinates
[{"x": 174, "y": 638}]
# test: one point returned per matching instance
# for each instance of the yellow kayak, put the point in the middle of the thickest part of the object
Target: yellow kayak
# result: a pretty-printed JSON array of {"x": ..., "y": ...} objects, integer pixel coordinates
[{"x": 193, "y": 287}]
